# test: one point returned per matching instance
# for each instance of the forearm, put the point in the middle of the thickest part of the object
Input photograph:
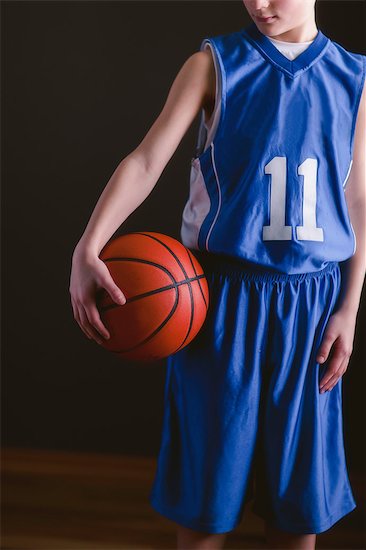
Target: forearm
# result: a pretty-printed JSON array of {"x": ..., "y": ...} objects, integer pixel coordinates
[
  {"x": 353, "y": 269},
  {"x": 128, "y": 187}
]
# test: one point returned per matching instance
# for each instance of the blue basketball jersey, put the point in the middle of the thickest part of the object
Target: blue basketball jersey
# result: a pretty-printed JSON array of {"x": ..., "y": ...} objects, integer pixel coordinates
[{"x": 269, "y": 186}]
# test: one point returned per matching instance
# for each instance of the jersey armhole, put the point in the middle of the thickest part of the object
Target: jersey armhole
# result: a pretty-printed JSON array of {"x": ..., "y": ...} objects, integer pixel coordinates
[
  {"x": 207, "y": 135},
  {"x": 357, "y": 104}
]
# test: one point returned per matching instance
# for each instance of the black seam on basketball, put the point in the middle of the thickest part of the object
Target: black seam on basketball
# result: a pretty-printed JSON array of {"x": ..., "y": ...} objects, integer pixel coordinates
[
  {"x": 175, "y": 284},
  {"x": 185, "y": 275},
  {"x": 155, "y": 331},
  {"x": 149, "y": 293},
  {"x": 149, "y": 262},
  {"x": 199, "y": 285},
  {"x": 195, "y": 272}
]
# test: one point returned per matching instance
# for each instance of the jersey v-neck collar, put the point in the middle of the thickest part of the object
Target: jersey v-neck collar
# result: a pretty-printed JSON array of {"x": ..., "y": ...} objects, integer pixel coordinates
[{"x": 294, "y": 67}]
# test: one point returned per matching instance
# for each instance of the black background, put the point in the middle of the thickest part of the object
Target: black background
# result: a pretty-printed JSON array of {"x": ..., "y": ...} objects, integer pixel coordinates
[{"x": 82, "y": 82}]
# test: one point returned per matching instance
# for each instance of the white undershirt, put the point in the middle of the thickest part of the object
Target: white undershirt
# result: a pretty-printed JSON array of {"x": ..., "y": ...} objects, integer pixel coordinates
[{"x": 290, "y": 49}]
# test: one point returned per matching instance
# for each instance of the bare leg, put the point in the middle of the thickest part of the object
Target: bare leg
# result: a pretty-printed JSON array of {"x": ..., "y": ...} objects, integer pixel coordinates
[
  {"x": 282, "y": 539},
  {"x": 188, "y": 539}
]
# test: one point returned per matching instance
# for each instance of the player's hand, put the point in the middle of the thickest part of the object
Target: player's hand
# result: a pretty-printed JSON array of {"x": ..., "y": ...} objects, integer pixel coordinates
[
  {"x": 337, "y": 346},
  {"x": 88, "y": 274}
]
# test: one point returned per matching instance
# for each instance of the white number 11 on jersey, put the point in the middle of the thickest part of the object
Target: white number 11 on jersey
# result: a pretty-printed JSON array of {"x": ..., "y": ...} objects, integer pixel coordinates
[{"x": 277, "y": 230}]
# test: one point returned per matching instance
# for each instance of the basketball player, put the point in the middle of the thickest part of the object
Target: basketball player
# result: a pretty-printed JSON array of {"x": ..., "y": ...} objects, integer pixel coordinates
[{"x": 276, "y": 215}]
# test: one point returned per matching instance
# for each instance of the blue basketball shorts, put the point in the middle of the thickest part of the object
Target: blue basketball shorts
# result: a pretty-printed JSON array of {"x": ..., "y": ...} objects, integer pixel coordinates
[{"x": 244, "y": 418}]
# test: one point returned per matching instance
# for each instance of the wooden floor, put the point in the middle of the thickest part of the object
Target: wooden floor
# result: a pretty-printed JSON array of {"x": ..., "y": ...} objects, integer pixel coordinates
[{"x": 72, "y": 501}]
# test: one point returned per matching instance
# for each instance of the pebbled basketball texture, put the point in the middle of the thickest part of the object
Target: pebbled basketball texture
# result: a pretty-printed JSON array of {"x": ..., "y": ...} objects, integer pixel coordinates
[{"x": 166, "y": 291}]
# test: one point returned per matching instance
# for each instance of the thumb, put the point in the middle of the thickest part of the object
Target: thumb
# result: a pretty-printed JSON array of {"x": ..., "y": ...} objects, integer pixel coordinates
[
  {"x": 324, "y": 349},
  {"x": 115, "y": 292}
]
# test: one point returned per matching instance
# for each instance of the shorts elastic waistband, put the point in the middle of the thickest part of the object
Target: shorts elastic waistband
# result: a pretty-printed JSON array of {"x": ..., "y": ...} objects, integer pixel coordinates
[{"x": 224, "y": 264}]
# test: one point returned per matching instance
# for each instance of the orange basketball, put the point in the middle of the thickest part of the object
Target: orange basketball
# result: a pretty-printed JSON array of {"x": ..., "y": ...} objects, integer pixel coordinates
[{"x": 166, "y": 291}]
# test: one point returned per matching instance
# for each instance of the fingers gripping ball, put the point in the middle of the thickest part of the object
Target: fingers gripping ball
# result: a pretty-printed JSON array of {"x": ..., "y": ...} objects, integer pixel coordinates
[{"x": 166, "y": 291}]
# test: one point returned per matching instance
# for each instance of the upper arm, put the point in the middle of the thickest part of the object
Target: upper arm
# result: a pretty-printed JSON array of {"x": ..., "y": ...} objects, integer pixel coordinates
[
  {"x": 355, "y": 190},
  {"x": 190, "y": 92}
]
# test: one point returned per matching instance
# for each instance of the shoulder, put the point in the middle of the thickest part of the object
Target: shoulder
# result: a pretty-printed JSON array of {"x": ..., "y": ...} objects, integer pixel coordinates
[
  {"x": 197, "y": 70},
  {"x": 354, "y": 60},
  {"x": 201, "y": 60},
  {"x": 200, "y": 67},
  {"x": 221, "y": 48},
  {"x": 349, "y": 67}
]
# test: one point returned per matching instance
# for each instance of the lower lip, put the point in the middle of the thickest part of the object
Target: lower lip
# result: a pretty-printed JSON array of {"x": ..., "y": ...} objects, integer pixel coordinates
[{"x": 266, "y": 20}]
